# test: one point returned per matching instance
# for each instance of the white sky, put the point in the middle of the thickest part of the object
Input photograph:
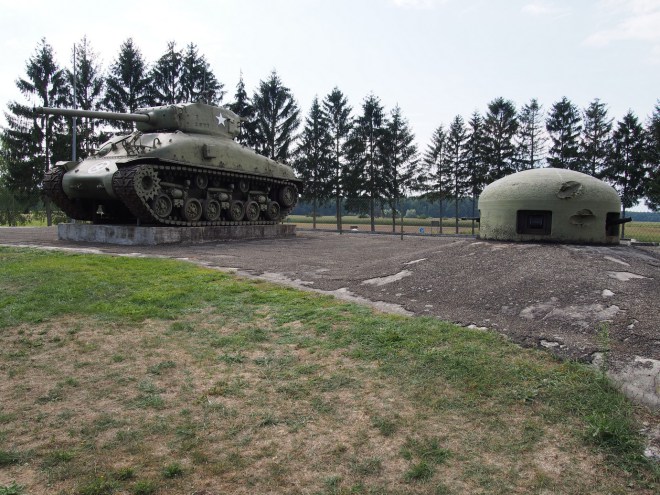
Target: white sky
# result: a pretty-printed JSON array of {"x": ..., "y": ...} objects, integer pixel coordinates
[{"x": 435, "y": 58}]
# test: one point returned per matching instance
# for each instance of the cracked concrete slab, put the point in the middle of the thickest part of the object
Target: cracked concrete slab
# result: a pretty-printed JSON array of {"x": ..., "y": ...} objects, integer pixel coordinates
[
  {"x": 639, "y": 379},
  {"x": 388, "y": 279},
  {"x": 584, "y": 313},
  {"x": 624, "y": 276},
  {"x": 616, "y": 260}
]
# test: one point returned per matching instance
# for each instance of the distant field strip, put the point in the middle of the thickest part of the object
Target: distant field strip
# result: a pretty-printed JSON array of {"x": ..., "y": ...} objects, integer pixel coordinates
[{"x": 640, "y": 231}]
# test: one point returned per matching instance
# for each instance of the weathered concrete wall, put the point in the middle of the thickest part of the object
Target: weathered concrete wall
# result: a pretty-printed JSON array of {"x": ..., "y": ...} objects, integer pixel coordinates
[{"x": 131, "y": 235}]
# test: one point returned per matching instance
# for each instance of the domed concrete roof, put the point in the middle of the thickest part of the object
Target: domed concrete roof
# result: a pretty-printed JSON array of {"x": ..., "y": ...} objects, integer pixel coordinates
[
  {"x": 549, "y": 204},
  {"x": 549, "y": 184}
]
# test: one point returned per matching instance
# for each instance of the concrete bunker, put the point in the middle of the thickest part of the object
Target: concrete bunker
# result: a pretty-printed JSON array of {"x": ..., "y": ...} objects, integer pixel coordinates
[{"x": 552, "y": 205}]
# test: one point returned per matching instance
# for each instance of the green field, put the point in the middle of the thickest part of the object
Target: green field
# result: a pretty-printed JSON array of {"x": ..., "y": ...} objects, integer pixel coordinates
[
  {"x": 143, "y": 376},
  {"x": 640, "y": 231},
  {"x": 411, "y": 225},
  {"x": 643, "y": 231}
]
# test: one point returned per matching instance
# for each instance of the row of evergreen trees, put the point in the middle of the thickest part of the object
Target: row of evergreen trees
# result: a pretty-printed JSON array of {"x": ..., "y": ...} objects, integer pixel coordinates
[
  {"x": 463, "y": 158},
  {"x": 370, "y": 158},
  {"x": 29, "y": 141},
  {"x": 373, "y": 157}
]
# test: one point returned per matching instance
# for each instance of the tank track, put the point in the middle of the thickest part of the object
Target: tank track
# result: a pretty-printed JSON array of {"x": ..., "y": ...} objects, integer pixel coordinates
[
  {"x": 124, "y": 186},
  {"x": 52, "y": 189}
]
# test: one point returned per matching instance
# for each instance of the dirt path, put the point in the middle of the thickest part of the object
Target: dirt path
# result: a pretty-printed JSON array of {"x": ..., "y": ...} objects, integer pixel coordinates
[{"x": 590, "y": 303}]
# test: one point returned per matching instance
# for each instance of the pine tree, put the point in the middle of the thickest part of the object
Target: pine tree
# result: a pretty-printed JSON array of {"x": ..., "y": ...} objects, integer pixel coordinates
[
  {"x": 242, "y": 107},
  {"x": 475, "y": 159},
  {"x": 401, "y": 160},
  {"x": 628, "y": 165},
  {"x": 436, "y": 176},
  {"x": 165, "y": 78},
  {"x": 89, "y": 85},
  {"x": 127, "y": 84},
  {"x": 596, "y": 143},
  {"x": 314, "y": 158},
  {"x": 197, "y": 79},
  {"x": 531, "y": 136},
  {"x": 564, "y": 126},
  {"x": 501, "y": 125},
  {"x": 653, "y": 154},
  {"x": 456, "y": 160},
  {"x": 276, "y": 119},
  {"x": 30, "y": 141},
  {"x": 338, "y": 113},
  {"x": 365, "y": 151}
]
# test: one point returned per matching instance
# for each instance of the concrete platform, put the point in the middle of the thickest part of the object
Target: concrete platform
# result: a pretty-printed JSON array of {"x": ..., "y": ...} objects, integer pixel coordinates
[{"x": 132, "y": 235}]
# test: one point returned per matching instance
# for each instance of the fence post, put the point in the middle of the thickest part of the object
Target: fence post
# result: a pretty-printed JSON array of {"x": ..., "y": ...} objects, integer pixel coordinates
[{"x": 623, "y": 225}]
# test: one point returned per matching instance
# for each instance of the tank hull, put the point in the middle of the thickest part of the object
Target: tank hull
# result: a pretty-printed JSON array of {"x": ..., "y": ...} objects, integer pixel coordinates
[
  {"x": 174, "y": 179},
  {"x": 181, "y": 167}
]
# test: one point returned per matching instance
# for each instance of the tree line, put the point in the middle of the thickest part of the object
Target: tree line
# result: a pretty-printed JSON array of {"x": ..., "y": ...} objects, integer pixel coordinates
[{"x": 365, "y": 161}]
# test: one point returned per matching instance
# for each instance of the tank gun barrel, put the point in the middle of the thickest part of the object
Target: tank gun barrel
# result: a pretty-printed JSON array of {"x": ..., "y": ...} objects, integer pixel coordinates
[{"x": 67, "y": 112}]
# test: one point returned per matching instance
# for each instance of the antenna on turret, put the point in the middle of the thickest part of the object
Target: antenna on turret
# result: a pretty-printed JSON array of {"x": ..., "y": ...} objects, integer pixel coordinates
[
  {"x": 205, "y": 96},
  {"x": 75, "y": 106}
]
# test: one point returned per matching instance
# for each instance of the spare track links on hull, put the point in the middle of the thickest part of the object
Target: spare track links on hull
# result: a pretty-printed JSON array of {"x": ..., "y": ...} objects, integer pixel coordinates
[
  {"x": 53, "y": 190},
  {"x": 189, "y": 196}
]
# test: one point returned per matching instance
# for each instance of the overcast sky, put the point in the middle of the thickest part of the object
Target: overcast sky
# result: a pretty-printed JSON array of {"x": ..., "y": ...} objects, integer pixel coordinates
[{"x": 435, "y": 58}]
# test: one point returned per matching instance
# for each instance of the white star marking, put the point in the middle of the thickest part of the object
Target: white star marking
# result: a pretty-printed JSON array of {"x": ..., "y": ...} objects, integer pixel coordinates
[{"x": 221, "y": 119}]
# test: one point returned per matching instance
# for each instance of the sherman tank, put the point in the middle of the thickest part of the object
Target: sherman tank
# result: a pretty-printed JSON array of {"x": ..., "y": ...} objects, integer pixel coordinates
[{"x": 181, "y": 166}]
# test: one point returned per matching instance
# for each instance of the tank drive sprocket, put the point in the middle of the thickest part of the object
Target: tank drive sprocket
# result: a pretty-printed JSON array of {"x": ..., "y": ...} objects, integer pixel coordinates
[{"x": 146, "y": 182}]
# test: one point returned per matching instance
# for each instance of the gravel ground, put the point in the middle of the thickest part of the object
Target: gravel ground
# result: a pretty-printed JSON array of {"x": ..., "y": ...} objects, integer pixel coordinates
[{"x": 576, "y": 301}]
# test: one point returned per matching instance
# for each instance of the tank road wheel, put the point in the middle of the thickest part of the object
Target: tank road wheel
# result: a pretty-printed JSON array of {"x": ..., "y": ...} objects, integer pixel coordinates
[
  {"x": 192, "y": 209},
  {"x": 273, "y": 210},
  {"x": 252, "y": 211},
  {"x": 162, "y": 206},
  {"x": 288, "y": 196},
  {"x": 211, "y": 210},
  {"x": 243, "y": 186},
  {"x": 236, "y": 211},
  {"x": 201, "y": 181},
  {"x": 146, "y": 183}
]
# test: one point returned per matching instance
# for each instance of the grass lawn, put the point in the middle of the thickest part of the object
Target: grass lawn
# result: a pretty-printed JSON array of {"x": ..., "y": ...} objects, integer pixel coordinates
[{"x": 139, "y": 376}]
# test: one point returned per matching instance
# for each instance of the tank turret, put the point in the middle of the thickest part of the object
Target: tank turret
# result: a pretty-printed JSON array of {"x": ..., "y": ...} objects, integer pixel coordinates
[
  {"x": 196, "y": 118},
  {"x": 180, "y": 167}
]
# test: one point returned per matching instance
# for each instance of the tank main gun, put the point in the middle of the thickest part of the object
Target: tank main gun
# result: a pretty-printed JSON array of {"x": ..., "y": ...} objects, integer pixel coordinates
[
  {"x": 68, "y": 112},
  {"x": 199, "y": 118}
]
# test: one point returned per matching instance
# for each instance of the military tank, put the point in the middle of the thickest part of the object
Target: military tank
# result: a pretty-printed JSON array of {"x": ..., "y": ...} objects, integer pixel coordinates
[{"x": 180, "y": 167}]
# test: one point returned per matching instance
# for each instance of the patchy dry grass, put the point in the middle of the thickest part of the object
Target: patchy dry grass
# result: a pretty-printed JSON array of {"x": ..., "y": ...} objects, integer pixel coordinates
[{"x": 209, "y": 384}]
